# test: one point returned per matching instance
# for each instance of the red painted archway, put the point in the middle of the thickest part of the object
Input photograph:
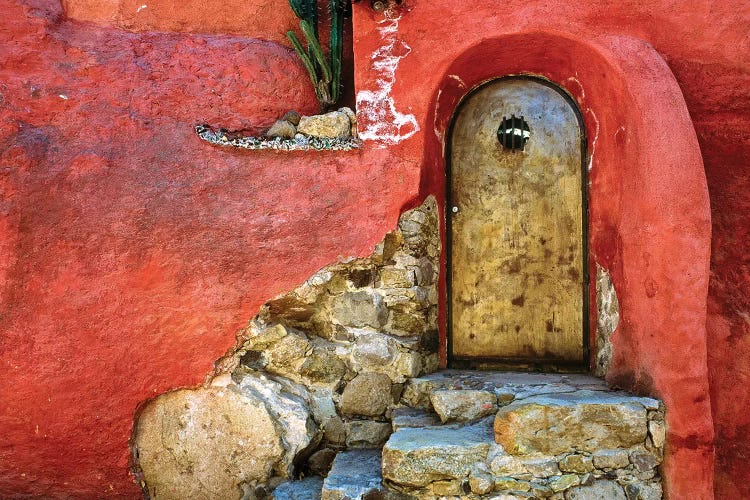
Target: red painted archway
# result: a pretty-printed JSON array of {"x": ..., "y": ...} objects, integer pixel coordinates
[{"x": 649, "y": 220}]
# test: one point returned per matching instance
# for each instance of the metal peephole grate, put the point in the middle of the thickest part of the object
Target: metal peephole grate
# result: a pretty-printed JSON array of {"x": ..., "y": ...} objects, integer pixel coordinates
[{"x": 513, "y": 133}]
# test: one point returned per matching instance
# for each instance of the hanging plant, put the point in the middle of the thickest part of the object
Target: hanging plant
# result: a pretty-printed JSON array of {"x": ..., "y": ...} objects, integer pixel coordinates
[{"x": 324, "y": 71}]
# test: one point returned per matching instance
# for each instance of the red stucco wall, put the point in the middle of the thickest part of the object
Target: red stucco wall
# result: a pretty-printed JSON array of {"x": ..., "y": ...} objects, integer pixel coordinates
[{"x": 130, "y": 251}]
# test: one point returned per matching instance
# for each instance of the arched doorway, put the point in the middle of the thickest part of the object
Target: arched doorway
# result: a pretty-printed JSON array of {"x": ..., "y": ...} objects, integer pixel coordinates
[{"x": 516, "y": 228}]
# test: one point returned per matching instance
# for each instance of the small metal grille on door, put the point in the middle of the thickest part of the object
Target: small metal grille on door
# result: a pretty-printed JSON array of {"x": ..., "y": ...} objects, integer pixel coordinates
[{"x": 513, "y": 133}]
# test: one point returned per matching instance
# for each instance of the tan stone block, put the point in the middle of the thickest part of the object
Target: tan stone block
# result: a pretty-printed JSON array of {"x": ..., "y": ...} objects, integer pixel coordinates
[
  {"x": 562, "y": 483},
  {"x": 558, "y": 423},
  {"x": 576, "y": 463},
  {"x": 610, "y": 459}
]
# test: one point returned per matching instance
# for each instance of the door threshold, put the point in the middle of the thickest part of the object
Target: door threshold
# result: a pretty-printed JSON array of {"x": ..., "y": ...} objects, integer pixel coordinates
[{"x": 516, "y": 365}]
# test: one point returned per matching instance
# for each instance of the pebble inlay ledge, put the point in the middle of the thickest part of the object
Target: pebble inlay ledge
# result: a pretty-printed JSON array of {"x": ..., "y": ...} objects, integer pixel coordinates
[{"x": 225, "y": 138}]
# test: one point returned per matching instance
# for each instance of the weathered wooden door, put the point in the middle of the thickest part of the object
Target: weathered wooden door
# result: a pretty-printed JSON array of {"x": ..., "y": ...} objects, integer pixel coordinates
[{"x": 516, "y": 227}]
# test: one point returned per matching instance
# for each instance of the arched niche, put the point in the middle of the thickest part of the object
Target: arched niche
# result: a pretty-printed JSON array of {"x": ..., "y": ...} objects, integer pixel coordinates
[{"x": 649, "y": 217}]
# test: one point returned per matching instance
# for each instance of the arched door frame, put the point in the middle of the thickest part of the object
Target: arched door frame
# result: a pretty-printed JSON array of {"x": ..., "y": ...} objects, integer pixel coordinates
[{"x": 582, "y": 364}]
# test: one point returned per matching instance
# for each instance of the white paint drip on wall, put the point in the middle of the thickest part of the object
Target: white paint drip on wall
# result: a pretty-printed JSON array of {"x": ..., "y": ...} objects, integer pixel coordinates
[
  {"x": 376, "y": 109},
  {"x": 435, "y": 128},
  {"x": 458, "y": 79},
  {"x": 593, "y": 141},
  {"x": 593, "y": 115},
  {"x": 575, "y": 79}
]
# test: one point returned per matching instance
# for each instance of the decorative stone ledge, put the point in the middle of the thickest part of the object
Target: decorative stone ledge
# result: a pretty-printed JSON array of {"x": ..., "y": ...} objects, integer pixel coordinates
[{"x": 225, "y": 138}]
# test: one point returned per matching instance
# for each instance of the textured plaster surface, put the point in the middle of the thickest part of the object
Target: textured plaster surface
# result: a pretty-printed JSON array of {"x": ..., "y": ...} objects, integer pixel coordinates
[{"x": 131, "y": 252}]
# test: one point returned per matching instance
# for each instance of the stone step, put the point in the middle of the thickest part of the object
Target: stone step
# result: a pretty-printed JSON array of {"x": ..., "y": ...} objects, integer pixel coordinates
[
  {"x": 490, "y": 435},
  {"x": 414, "y": 458},
  {"x": 355, "y": 475},
  {"x": 505, "y": 386},
  {"x": 582, "y": 421},
  {"x": 552, "y": 436}
]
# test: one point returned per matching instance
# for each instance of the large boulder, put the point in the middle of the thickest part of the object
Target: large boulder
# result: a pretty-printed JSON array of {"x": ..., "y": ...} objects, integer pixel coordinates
[
  {"x": 290, "y": 406},
  {"x": 216, "y": 442},
  {"x": 206, "y": 443}
]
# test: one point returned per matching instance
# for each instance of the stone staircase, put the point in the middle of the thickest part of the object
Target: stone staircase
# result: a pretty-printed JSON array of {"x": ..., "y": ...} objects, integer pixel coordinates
[{"x": 503, "y": 435}]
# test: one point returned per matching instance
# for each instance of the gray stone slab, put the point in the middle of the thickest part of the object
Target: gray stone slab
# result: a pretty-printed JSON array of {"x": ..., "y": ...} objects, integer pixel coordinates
[
  {"x": 589, "y": 397},
  {"x": 598, "y": 490},
  {"x": 417, "y": 457},
  {"x": 506, "y": 385},
  {"x": 413, "y": 417},
  {"x": 306, "y": 489},
  {"x": 354, "y": 474}
]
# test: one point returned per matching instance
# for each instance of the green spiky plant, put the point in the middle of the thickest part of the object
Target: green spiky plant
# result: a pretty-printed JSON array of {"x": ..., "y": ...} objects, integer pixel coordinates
[{"x": 325, "y": 72}]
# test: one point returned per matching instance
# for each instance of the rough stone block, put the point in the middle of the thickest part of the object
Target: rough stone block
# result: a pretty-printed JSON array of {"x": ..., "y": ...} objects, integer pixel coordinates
[
  {"x": 362, "y": 308},
  {"x": 576, "y": 463},
  {"x": 368, "y": 394},
  {"x": 444, "y": 489},
  {"x": 407, "y": 321},
  {"x": 658, "y": 432},
  {"x": 598, "y": 490},
  {"x": 510, "y": 483},
  {"x": 480, "y": 480},
  {"x": 261, "y": 337},
  {"x": 644, "y": 460},
  {"x": 540, "y": 490},
  {"x": 396, "y": 277},
  {"x": 411, "y": 417},
  {"x": 541, "y": 466},
  {"x": 308, "y": 488},
  {"x": 332, "y": 125},
  {"x": 323, "y": 366},
  {"x": 282, "y": 353},
  {"x": 463, "y": 405},
  {"x": 366, "y": 433},
  {"x": 409, "y": 364},
  {"x": 562, "y": 483},
  {"x": 503, "y": 464},
  {"x": 355, "y": 474},
  {"x": 282, "y": 128},
  {"x": 557, "y": 423},
  {"x": 417, "y": 457},
  {"x": 334, "y": 430},
  {"x": 374, "y": 349},
  {"x": 610, "y": 459}
]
